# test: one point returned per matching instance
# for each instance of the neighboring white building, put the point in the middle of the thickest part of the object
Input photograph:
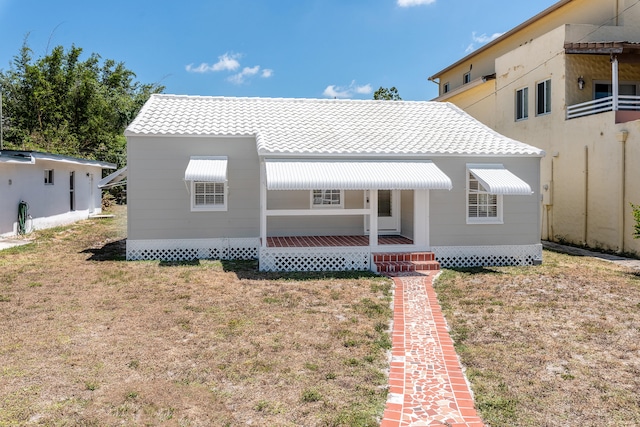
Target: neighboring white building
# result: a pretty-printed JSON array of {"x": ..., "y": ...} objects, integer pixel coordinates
[
  {"x": 57, "y": 189},
  {"x": 216, "y": 177}
]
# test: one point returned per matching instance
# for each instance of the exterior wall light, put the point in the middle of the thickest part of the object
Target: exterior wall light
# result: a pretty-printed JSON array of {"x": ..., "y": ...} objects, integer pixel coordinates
[{"x": 580, "y": 83}]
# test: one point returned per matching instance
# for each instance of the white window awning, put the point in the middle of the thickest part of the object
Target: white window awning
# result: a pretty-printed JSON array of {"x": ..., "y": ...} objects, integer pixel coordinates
[
  {"x": 498, "y": 180},
  {"x": 355, "y": 175},
  {"x": 118, "y": 177},
  {"x": 206, "y": 169}
]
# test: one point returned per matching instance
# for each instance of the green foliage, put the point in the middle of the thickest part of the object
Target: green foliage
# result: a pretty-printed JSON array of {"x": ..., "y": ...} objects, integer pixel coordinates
[
  {"x": 61, "y": 104},
  {"x": 384, "y": 94},
  {"x": 636, "y": 217}
]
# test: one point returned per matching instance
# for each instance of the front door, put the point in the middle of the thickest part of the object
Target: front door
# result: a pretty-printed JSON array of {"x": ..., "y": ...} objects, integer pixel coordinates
[{"x": 388, "y": 212}]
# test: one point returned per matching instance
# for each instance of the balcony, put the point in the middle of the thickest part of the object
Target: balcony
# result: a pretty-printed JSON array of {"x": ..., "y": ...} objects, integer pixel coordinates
[{"x": 603, "y": 105}]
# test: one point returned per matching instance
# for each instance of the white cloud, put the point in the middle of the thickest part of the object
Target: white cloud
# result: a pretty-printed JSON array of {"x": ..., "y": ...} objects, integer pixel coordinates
[
  {"x": 333, "y": 91},
  {"x": 230, "y": 62},
  {"x": 484, "y": 38},
  {"x": 364, "y": 90},
  {"x": 481, "y": 39},
  {"x": 226, "y": 62},
  {"x": 202, "y": 68},
  {"x": 410, "y": 3},
  {"x": 241, "y": 76}
]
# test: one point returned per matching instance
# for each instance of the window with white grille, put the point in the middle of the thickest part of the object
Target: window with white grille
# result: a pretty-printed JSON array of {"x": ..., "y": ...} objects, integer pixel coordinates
[
  {"x": 327, "y": 199},
  {"x": 482, "y": 207},
  {"x": 208, "y": 196}
]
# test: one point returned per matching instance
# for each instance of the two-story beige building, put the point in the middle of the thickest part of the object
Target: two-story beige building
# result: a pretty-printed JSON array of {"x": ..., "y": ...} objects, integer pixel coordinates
[{"x": 567, "y": 81}]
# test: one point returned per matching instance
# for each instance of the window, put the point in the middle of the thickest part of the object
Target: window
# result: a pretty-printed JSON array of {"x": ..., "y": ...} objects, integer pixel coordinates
[
  {"x": 446, "y": 88},
  {"x": 603, "y": 90},
  {"x": 543, "y": 97},
  {"x": 522, "y": 103},
  {"x": 327, "y": 199},
  {"x": 208, "y": 196},
  {"x": 482, "y": 207},
  {"x": 48, "y": 176},
  {"x": 466, "y": 78}
]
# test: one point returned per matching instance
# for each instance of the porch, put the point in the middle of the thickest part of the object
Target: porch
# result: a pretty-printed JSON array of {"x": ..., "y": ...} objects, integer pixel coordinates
[
  {"x": 598, "y": 90},
  {"x": 321, "y": 215},
  {"x": 332, "y": 241},
  {"x": 310, "y": 253}
]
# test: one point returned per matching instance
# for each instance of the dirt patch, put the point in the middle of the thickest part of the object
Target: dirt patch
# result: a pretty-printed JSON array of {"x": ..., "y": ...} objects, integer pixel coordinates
[
  {"x": 551, "y": 345},
  {"x": 90, "y": 339}
]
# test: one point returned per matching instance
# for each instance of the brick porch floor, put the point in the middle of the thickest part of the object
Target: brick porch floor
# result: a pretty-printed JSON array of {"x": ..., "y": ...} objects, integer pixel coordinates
[
  {"x": 330, "y": 241},
  {"x": 426, "y": 383}
]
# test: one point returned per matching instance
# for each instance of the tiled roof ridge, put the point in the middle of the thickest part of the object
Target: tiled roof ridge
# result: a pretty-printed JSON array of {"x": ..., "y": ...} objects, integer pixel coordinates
[{"x": 283, "y": 99}]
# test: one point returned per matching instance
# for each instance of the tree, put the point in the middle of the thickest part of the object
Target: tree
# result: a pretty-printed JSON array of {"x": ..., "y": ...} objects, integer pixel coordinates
[
  {"x": 62, "y": 104},
  {"x": 384, "y": 94}
]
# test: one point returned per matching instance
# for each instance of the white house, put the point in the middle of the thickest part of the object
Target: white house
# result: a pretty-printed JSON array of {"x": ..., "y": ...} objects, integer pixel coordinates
[
  {"x": 42, "y": 190},
  {"x": 308, "y": 184}
]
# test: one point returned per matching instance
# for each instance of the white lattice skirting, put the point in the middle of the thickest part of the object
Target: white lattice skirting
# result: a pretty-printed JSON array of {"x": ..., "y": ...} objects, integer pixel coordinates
[
  {"x": 190, "y": 249},
  {"x": 486, "y": 256},
  {"x": 315, "y": 259}
]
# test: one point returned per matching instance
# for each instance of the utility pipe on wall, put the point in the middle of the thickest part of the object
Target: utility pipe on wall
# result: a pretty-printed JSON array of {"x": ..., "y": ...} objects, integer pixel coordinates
[
  {"x": 622, "y": 137},
  {"x": 585, "y": 231},
  {"x": 615, "y": 90}
]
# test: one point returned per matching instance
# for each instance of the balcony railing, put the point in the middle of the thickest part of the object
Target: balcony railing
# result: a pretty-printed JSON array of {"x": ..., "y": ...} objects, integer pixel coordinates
[{"x": 602, "y": 105}]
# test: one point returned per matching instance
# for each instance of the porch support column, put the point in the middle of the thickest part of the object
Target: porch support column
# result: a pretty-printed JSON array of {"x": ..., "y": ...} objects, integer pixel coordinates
[
  {"x": 373, "y": 217},
  {"x": 421, "y": 218},
  {"x": 263, "y": 206},
  {"x": 614, "y": 82}
]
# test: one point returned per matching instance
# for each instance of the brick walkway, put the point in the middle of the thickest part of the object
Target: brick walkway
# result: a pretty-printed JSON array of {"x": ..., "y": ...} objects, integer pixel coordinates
[{"x": 426, "y": 384}]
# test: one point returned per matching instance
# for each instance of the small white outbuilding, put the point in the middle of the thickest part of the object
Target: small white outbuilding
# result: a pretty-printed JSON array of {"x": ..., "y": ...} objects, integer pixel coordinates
[{"x": 41, "y": 190}]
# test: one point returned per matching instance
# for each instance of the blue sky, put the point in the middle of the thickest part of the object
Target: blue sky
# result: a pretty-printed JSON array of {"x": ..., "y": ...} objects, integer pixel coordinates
[{"x": 272, "y": 48}]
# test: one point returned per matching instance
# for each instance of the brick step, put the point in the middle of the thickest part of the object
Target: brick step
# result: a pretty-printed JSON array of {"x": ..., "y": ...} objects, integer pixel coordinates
[
  {"x": 403, "y": 256},
  {"x": 406, "y": 266}
]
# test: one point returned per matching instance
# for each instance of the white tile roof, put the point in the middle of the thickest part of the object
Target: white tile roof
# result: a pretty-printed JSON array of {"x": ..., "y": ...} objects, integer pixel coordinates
[{"x": 328, "y": 126}]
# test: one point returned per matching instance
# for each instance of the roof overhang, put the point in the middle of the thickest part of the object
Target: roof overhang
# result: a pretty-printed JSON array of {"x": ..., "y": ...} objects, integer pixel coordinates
[
  {"x": 460, "y": 89},
  {"x": 31, "y": 157},
  {"x": 602, "y": 48},
  {"x": 498, "y": 180},
  {"x": 354, "y": 175},
  {"x": 206, "y": 169},
  {"x": 21, "y": 158},
  {"x": 112, "y": 180}
]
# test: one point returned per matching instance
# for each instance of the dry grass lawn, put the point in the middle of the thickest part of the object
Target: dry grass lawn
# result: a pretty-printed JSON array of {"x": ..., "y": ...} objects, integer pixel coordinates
[
  {"x": 88, "y": 339},
  {"x": 551, "y": 345}
]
